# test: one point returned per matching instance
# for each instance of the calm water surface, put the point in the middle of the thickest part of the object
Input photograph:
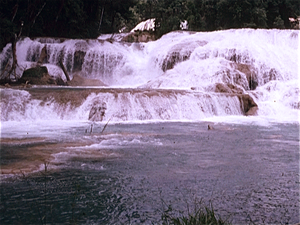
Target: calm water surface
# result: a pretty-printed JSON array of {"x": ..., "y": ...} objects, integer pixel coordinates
[{"x": 130, "y": 173}]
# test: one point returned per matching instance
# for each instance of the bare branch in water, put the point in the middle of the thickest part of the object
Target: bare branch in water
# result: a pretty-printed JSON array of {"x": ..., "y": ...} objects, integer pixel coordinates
[{"x": 105, "y": 125}]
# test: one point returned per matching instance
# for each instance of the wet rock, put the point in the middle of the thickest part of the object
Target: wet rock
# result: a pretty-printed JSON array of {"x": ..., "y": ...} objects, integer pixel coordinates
[
  {"x": 248, "y": 105},
  {"x": 252, "y": 111},
  {"x": 173, "y": 58},
  {"x": 39, "y": 76},
  {"x": 43, "y": 55},
  {"x": 227, "y": 88},
  {"x": 252, "y": 83},
  {"x": 78, "y": 60},
  {"x": 139, "y": 36},
  {"x": 97, "y": 111},
  {"x": 222, "y": 88},
  {"x": 60, "y": 81},
  {"x": 81, "y": 81},
  {"x": 268, "y": 74},
  {"x": 250, "y": 73},
  {"x": 179, "y": 53},
  {"x": 35, "y": 72}
]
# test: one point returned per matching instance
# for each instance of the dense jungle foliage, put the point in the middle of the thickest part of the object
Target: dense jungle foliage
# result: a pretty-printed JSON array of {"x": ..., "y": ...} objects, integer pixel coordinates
[{"x": 90, "y": 18}]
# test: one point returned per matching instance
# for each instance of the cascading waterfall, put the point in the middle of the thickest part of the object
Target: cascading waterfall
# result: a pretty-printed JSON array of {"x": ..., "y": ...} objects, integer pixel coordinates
[
  {"x": 177, "y": 77},
  {"x": 122, "y": 105},
  {"x": 210, "y": 115}
]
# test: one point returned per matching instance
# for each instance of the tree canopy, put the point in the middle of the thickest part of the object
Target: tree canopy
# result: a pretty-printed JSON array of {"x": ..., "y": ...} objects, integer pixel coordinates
[{"x": 89, "y": 18}]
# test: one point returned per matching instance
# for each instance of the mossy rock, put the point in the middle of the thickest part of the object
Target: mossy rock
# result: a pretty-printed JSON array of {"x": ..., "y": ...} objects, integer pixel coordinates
[
  {"x": 39, "y": 76},
  {"x": 36, "y": 72}
]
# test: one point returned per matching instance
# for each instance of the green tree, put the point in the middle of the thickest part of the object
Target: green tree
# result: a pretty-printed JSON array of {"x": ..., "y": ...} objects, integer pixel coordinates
[
  {"x": 169, "y": 14},
  {"x": 278, "y": 23},
  {"x": 279, "y": 11},
  {"x": 116, "y": 13},
  {"x": 234, "y": 13},
  {"x": 195, "y": 15},
  {"x": 210, "y": 14},
  {"x": 89, "y": 18},
  {"x": 259, "y": 17}
]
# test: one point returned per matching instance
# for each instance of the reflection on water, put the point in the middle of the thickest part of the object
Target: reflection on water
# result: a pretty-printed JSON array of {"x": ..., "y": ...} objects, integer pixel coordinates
[{"x": 128, "y": 173}]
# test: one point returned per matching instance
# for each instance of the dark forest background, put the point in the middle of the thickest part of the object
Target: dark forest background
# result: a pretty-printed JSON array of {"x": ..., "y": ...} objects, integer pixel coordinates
[{"x": 90, "y": 18}]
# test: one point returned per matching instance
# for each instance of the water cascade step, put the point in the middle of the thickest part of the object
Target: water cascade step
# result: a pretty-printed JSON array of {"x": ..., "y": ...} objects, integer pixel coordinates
[{"x": 183, "y": 75}]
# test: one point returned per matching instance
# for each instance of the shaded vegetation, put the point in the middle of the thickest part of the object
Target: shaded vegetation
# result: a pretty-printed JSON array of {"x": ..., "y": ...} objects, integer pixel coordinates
[
  {"x": 202, "y": 215},
  {"x": 63, "y": 18},
  {"x": 90, "y": 18}
]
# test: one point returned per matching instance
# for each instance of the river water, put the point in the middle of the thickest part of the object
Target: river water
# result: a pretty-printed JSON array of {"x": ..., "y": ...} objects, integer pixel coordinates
[
  {"x": 126, "y": 152},
  {"x": 130, "y": 173}
]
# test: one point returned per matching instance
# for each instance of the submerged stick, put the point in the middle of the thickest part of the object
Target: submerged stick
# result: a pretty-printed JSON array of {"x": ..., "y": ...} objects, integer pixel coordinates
[
  {"x": 64, "y": 70},
  {"x": 105, "y": 125}
]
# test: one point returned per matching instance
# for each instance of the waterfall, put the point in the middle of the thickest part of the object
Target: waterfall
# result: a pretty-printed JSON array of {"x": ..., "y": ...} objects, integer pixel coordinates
[
  {"x": 122, "y": 105},
  {"x": 177, "y": 77}
]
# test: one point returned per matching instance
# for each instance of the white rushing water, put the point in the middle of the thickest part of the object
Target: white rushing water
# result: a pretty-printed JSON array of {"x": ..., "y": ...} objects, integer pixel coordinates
[{"x": 173, "y": 78}]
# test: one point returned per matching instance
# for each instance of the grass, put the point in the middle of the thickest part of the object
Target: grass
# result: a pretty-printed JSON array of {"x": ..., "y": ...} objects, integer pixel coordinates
[{"x": 202, "y": 215}]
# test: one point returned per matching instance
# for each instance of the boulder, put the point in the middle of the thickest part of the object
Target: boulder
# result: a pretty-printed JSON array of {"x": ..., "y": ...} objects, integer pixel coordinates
[
  {"x": 227, "y": 88},
  {"x": 210, "y": 127},
  {"x": 248, "y": 105},
  {"x": 252, "y": 111},
  {"x": 179, "y": 53},
  {"x": 35, "y": 72},
  {"x": 173, "y": 58},
  {"x": 222, "y": 88},
  {"x": 250, "y": 73},
  {"x": 235, "y": 89},
  {"x": 39, "y": 76}
]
